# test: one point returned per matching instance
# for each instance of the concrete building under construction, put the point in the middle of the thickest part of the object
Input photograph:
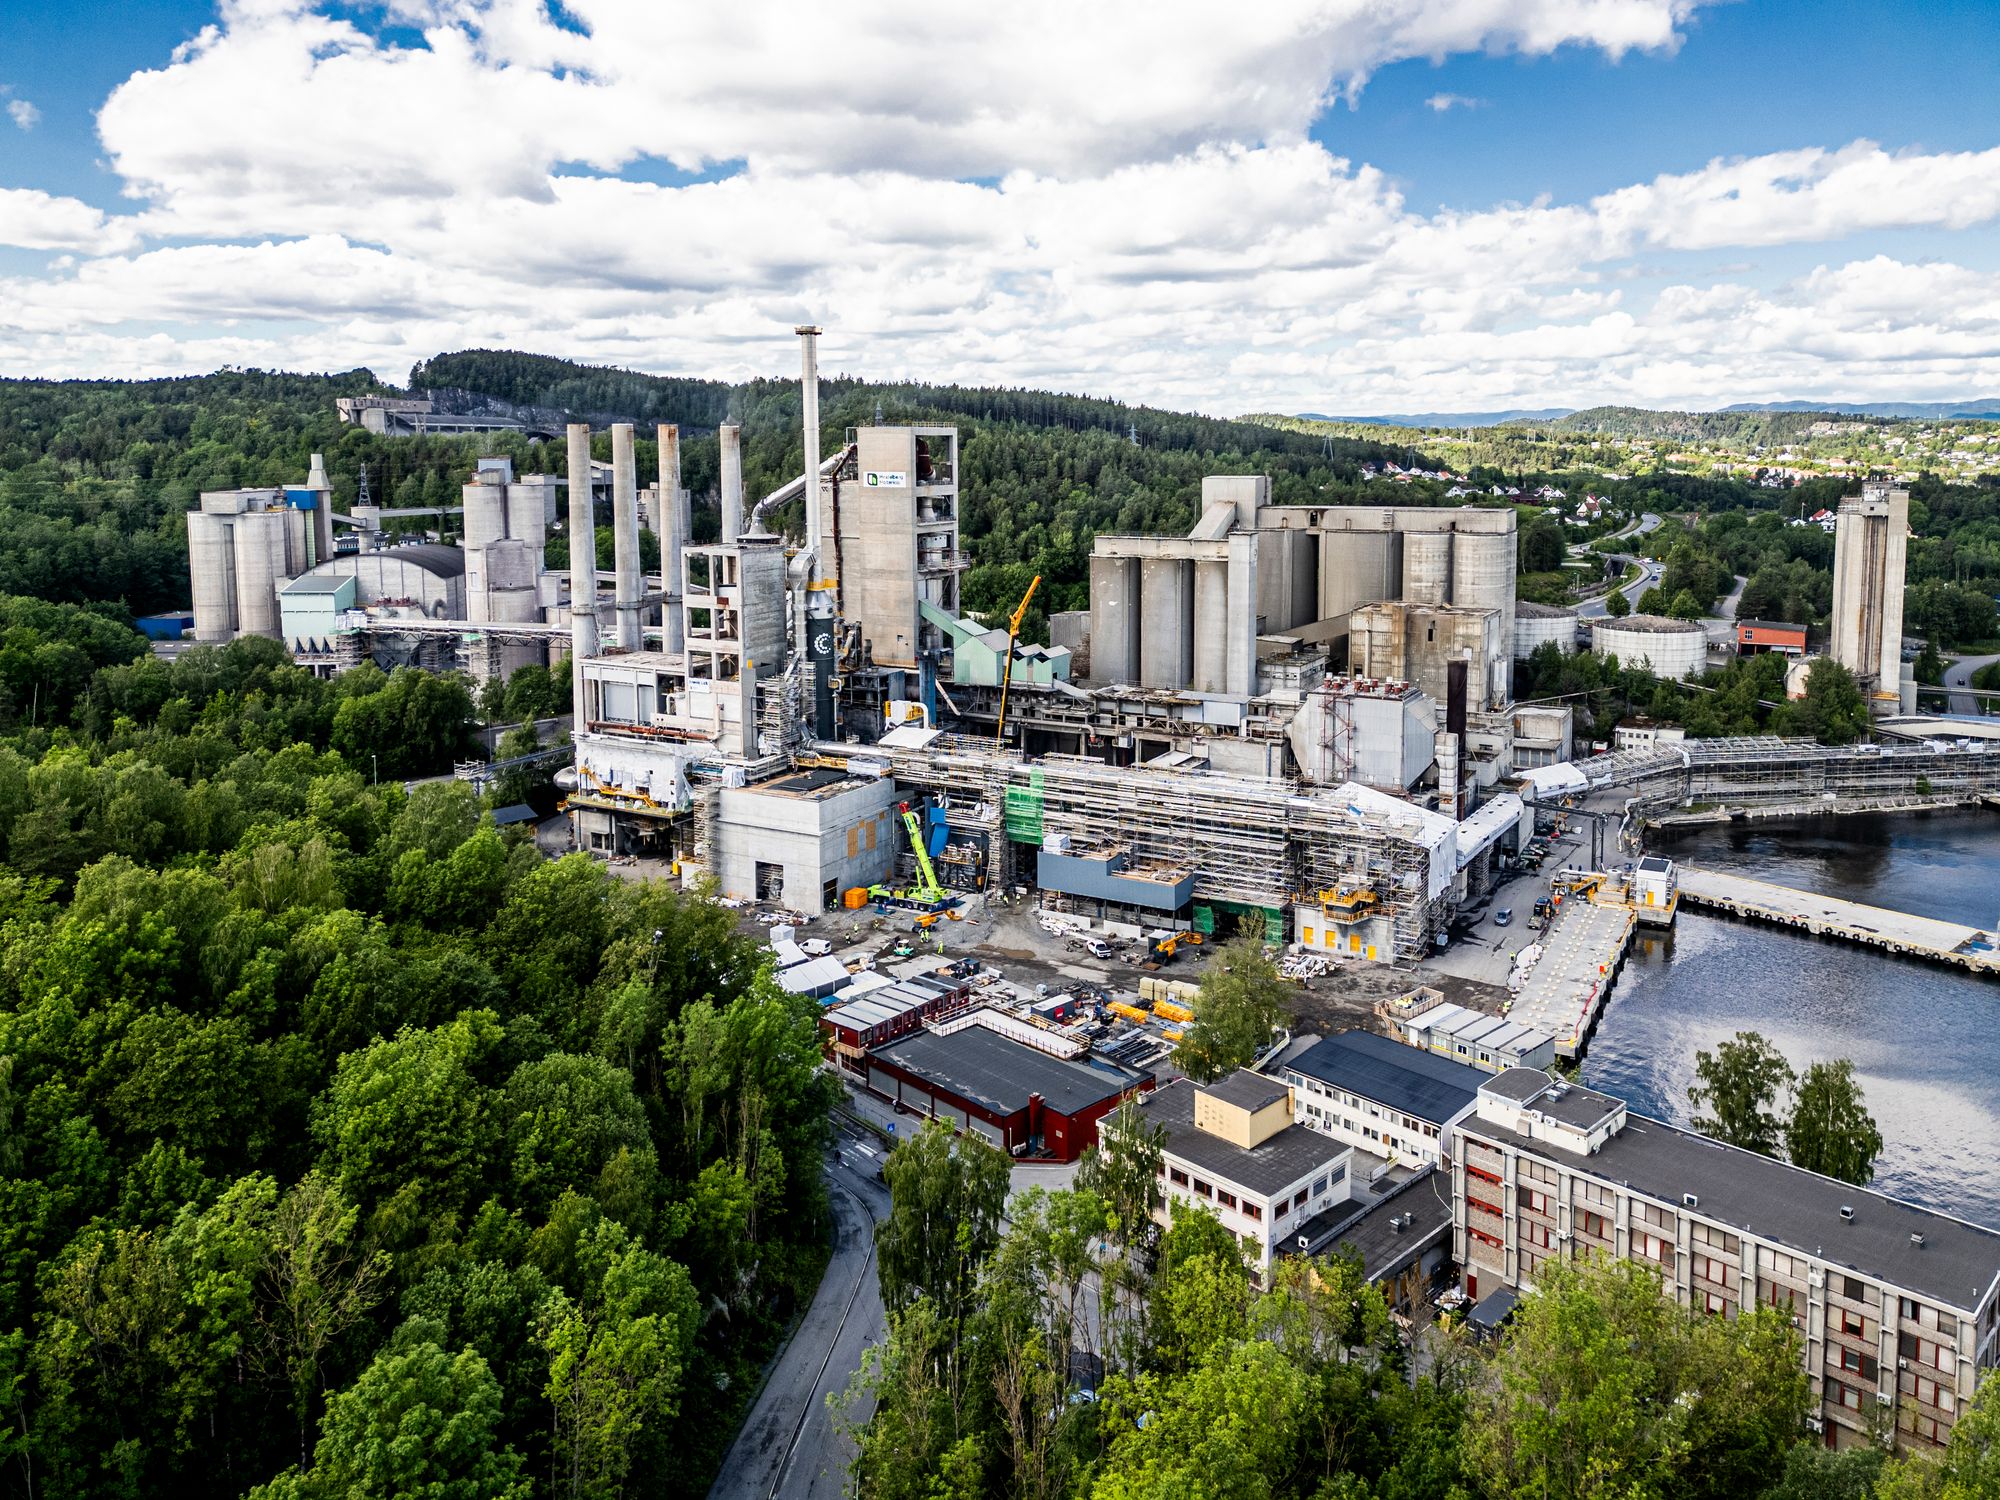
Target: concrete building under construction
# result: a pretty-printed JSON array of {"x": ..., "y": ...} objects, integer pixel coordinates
[{"x": 803, "y": 703}]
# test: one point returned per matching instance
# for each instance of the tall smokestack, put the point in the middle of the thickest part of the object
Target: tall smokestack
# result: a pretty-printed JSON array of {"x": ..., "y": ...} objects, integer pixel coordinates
[
  {"x": 809, "y": 393},
  {"x": 625, "y": 536},
  {"x": 582, "y": 561},
  {"x": 732, "y": 481},
  {"x": 672, "y": 529}
]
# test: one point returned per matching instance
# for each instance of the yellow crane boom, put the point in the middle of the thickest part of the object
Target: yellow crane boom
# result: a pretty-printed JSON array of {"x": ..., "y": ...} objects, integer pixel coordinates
[{"x": 1007, "y": 666}]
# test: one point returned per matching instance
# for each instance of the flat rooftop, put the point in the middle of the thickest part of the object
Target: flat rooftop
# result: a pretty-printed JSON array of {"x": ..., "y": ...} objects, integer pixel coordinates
[
  {"x": 1247, "y": 1090},
  {"x": 1956, "y": 1264},
  {"x": 988, "y": 1069},
  {"x": 1390, "y": 1232},
  {"x": 1403, "y": 1078},
  {"x": 1292, "y": 1153}
]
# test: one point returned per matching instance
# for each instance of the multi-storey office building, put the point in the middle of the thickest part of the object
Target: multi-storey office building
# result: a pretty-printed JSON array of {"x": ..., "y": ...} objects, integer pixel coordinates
[
  {"x": 1381, "y": 1097},
  {"x": 1231, "y": 1147},
  {"x": 1896, "y": 1305}
]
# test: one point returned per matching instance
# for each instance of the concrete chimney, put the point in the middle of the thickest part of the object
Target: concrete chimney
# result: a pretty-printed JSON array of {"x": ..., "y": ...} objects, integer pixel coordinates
[
  {"x": 582, "y": 561},
  {"x": 672, "y": 529},
  {"x": 625, "y": 537},
  {"x": 322, "y": 520},
  {"x": 809, "y": 400},
  {"x": 732, "y": 481}
]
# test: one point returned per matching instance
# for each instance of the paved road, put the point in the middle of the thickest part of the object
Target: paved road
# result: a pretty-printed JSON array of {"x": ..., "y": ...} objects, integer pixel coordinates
[
  {"x": 788, "y": 1444},
  {"x": 1649, "y": 572},
  {"x": 1959, "y": 675}
]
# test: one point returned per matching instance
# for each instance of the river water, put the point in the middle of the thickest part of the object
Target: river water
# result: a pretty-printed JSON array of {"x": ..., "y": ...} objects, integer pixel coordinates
[{"x": 1925, "y": 1040}]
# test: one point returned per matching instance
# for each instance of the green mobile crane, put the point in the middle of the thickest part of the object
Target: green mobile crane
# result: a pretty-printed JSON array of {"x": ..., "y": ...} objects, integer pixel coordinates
[{"x": 926, "y": 893}]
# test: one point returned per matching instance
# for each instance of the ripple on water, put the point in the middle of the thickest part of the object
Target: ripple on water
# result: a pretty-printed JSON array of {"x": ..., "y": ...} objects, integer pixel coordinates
[{"x": 1925, "y": 1041}]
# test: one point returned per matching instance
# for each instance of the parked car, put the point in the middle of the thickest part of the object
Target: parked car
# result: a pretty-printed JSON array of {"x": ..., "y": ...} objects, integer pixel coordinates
[
  {"x": 1097, "y": 948},
  {"x": 815, "y": 947},
  {"x": 1502, "y": 917}
]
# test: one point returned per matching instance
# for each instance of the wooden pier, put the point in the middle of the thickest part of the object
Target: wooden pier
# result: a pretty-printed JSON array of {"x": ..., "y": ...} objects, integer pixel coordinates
[{"x": 1969, "y": 948}]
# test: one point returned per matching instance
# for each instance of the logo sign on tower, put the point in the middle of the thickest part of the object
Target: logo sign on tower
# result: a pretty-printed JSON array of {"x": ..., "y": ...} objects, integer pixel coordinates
[{"x": 886, "y": 479}]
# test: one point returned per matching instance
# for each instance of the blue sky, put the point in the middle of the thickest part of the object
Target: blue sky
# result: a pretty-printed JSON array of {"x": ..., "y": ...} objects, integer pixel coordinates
[{"x": 1159, "y": 211}]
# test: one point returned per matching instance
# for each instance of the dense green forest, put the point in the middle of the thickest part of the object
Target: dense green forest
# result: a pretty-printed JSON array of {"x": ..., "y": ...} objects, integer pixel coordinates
[
  {"x": 1071, "y": 1350},
  {"x": 347, "y": 1145}
]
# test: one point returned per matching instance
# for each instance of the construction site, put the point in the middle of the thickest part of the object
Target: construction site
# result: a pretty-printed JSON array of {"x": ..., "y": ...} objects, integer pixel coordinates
[{"x": 1298, "y": 716}]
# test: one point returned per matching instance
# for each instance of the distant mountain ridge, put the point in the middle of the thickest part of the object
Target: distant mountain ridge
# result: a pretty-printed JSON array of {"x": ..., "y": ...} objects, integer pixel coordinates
[{"x": 1981, "y": 408}]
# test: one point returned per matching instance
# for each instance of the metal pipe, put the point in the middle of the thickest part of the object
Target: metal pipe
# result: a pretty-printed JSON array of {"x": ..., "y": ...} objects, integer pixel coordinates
[
  {"x": 625, "y": 537},
  {"x": 672, "y": 529},
  {"x": 732, "y": 482},
  {"x": 582, "y": 562}
]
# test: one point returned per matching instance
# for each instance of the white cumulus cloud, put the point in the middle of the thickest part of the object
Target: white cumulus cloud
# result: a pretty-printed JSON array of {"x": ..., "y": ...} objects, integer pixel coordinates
[{"x": 1122, "y": 198}]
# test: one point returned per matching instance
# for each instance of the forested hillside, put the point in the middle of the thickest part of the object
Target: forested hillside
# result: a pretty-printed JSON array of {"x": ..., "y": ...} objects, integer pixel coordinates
[
  {"x": 95, "y": 476},
  {"x": 347, "y": 1145}
]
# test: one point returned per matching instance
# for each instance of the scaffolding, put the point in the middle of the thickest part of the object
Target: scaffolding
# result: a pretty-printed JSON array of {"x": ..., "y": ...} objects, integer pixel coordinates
[
  {"x": 1252, "y": 844},
  {"x": 1774, "y": 775}
]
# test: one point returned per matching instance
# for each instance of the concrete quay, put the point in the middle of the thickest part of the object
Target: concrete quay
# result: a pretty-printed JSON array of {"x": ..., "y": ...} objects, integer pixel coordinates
[
  {"x": 1968, "y": 948},
  {"x": 1582, "y": 952}
]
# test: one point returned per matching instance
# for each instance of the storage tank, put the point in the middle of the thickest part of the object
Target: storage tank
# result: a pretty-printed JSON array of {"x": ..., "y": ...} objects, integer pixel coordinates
[
  {"x": 1114, "y": 619},
  {"x": 1211, "y": 627},
  {"x": 1166, "y": 622},
  {"x": 485, "y": 501},
  {"x": 1356, "y": 568},
  {"x": 212, "y": 570},
  {"x": 1673, "y": 649},
  {"x": 1539, "y": 624},
  {"x": 1427, "y": 567},
  {"x": 528, "y": 507},
  {"x": 260, "y": 563}
]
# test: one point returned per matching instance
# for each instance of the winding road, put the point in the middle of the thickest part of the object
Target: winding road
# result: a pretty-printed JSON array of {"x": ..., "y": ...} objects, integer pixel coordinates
[
  {"x": 788, "y": 1444},
  {"x": 1649, "y": 572},
  {"x": 1959, "y": 675}
]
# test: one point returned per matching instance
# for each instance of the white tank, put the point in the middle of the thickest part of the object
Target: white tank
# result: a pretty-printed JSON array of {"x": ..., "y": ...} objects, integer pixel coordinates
[
  {"x": 260, "y": 563},
  {"x": 1542, "y": 624},
  {"x": 1427, "y": 567},
  {"x": 1673, "y": 649},
  {"x": 485, "y": 512},
  {"x": 212, "y": 570}
]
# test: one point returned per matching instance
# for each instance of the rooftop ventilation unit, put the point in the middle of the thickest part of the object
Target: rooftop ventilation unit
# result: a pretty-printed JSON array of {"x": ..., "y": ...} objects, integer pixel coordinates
[
  {"x": 1917, "y": 1240},
  {"x": 1691, "y": 1200},
  {"x": 1846, "y": 1214}
]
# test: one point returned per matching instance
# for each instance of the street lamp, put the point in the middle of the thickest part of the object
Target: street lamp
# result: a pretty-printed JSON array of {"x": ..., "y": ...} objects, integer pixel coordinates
[{"x": 376, "y": 767}]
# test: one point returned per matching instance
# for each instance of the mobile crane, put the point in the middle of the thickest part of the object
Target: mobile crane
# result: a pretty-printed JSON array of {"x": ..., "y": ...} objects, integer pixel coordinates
[{"x": 927, "y": 894}]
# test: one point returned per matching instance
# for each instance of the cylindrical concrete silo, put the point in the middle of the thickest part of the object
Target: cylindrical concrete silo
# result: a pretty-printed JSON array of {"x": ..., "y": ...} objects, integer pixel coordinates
[
  {"x": 1673, "y": 649},
  {"x": 1427, "y": 567},
  {"x": 485, "y": 511},
  {"x": 528, "y": 513},
  {"x": 1114, "y": 619},
  {"x": 212, "y": 570},
  {"x": 260, "y": 562},
  {"x": 1166, "y": 622},
  {"x": 1211, "y": 627},
  {"x": 1540, "y": 624}
]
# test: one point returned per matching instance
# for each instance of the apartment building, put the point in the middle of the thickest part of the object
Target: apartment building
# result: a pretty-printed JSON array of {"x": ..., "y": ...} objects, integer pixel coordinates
[
  {"x": 1897, "y": 1305},
  {"x": 1231, "y": 1147},
  {"x": 1381, "y": 1097}
]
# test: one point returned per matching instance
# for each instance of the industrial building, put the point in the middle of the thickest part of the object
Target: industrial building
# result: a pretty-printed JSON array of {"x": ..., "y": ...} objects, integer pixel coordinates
[
  {"x": 1897, "y": 1306},
  {"x": 1754, "y": 637},
  {"x": 1231, "y": 1148},
  {"x": 1225, "y": 756},
  {"x": 1424, "y": 1019},
  {"x": 1870, "y": 540},
  {"x": 981, "y": 1075}
]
